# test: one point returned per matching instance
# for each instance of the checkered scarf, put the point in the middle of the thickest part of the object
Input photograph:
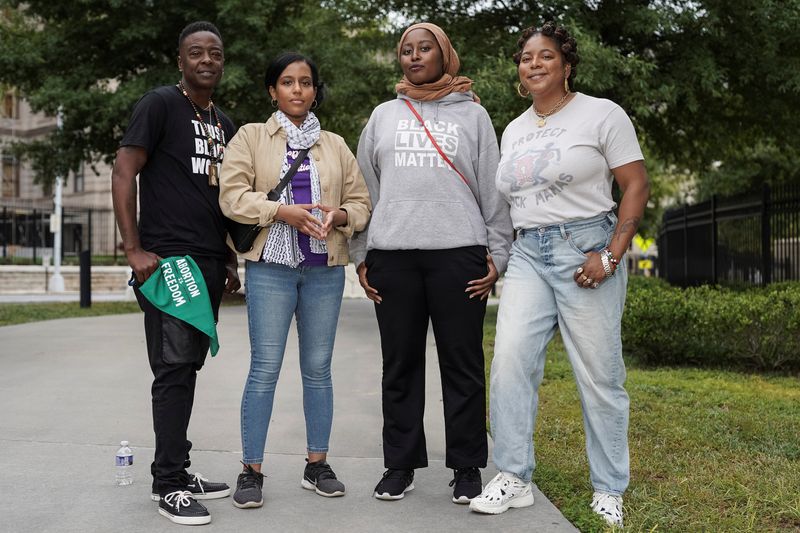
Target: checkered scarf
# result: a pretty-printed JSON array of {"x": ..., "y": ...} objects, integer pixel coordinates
[{"x": 282, "y": 246}]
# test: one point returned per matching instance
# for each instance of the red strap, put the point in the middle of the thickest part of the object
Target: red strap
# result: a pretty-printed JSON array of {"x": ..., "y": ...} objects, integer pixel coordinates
[{"x": 435, "y": 144}]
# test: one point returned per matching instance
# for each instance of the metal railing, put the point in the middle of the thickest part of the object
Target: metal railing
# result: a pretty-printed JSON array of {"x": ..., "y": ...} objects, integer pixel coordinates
[
  {"x": 26, "y": 236},
  {"x": 750, "y": 239}
]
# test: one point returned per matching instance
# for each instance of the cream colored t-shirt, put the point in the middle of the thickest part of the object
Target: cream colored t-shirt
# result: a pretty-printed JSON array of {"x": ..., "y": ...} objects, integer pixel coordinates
[{"x": 562, "y": 172}]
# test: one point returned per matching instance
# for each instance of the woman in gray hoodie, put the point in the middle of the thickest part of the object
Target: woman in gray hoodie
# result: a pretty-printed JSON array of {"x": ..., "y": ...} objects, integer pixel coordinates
[{"x": 438, "y": 239}]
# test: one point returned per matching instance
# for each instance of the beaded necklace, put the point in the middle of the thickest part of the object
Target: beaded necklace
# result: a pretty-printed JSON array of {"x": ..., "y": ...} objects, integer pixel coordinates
[{"x": 214, "y": 151}]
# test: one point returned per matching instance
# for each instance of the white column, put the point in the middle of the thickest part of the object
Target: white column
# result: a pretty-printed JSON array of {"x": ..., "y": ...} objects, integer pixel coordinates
[{"x": 56, "y": 283}]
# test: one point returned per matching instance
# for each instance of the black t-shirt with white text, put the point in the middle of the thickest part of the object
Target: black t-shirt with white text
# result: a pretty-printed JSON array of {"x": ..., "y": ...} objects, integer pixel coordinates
[{"x": 179, "y": 211}]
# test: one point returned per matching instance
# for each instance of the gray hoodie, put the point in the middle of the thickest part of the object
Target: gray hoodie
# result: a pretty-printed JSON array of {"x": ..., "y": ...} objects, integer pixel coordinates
[{"x": 419, "y": 202}]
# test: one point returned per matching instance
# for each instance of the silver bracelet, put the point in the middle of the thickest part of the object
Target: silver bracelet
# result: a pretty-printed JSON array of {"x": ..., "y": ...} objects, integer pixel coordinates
[{"x": 606, "y": 263}]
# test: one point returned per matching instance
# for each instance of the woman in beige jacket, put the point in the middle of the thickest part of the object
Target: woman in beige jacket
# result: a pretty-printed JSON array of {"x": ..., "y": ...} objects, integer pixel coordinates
[{"x": 296, "y": 266}]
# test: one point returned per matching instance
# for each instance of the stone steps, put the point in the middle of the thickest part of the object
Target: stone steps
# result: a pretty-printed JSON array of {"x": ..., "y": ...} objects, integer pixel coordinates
[{"x": 33, "y": 279}]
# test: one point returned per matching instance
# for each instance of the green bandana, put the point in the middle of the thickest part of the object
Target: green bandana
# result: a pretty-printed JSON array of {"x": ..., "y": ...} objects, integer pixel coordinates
[{"x": 181, "y": 292}]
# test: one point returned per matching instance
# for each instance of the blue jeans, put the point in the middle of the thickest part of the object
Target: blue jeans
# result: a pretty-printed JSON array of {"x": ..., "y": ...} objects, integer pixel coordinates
[
  {"x": 539, "y": 294},
  {"x": 275, "y": 293}
]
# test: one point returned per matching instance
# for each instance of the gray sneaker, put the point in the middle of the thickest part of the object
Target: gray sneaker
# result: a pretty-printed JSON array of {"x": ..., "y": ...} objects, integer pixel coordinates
[
  {"x": 319, "y": 477},
  {"x": 248, "y": 489}
]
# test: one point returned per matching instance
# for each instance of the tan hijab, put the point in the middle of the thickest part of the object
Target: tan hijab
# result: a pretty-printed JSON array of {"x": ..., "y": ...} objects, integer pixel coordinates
[{"x": 448, "y": 83}]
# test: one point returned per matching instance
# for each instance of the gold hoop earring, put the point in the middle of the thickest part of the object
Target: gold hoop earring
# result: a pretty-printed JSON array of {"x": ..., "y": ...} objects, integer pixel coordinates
[
  {"x": 519, "y": 91},
  {"x": 314, "y": 104},
  {"x": 274, "y": 103}
]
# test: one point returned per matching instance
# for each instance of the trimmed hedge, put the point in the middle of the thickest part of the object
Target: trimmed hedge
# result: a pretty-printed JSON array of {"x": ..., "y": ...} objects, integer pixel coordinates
[{"x": 757, "y": 328}]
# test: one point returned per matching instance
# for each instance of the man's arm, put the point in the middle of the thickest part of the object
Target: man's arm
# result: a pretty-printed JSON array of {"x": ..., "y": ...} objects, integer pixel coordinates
[
  {"x": 130, "y": 160},
  {"x": 232, "y": 282}
]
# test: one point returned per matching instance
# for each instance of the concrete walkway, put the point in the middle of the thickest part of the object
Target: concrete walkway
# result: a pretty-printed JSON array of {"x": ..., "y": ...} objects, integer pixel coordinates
[{"x": 71, "y": 389}]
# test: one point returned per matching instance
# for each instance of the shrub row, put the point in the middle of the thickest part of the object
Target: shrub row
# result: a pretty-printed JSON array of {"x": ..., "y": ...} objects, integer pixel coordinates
[{"x": 757, "y": 328}]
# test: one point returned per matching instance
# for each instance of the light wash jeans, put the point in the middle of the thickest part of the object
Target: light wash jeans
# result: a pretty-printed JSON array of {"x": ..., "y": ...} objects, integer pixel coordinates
[
  {"x": 539, "y": 294},
  {"x": 275, "y": 293}
]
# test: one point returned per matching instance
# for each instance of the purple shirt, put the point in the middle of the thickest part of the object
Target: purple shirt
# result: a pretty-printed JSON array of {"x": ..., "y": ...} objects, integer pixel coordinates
[{"x": 301, "y": 192}]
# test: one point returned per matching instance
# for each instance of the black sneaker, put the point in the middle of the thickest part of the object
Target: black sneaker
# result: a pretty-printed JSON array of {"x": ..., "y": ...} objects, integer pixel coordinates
[
  {"x": 395, "y": 484},
  {"x": 319, "y": 477},
  {"x": 181, "y": 508},
  {"x": 248, "y": 489},
  {"x": 467, "y": 483},
  {"x": 201, "y": 489}
]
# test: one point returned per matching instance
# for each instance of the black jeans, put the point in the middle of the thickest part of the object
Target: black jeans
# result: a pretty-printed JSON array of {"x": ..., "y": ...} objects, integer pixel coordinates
[
  {"x": 418, "y": 285},
  {"x": 177, "y": 352}
]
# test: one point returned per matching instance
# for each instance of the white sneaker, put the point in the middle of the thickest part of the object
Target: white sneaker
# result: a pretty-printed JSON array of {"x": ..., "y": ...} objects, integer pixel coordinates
[
  {"x": 609, "y": 507},
  {"x": 502, "y": 492}
]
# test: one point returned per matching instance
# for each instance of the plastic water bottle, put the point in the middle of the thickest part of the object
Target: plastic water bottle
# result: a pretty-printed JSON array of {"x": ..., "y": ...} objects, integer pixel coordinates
[{"x": 124, "y": 464}]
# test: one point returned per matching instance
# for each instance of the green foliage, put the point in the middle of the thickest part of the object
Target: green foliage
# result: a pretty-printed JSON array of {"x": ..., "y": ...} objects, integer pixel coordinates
[
  {"x": 762, "y": 161},
  {"x": 711, "y": 450},
  {"x": 93, "y": 59},
  {"x": 754, "y": 328},
  {"x": 712, "y": 86}
]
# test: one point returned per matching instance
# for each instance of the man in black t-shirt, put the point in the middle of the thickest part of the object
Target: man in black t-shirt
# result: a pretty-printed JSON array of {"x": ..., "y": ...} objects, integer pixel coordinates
[{"x": 175, "y": 141}]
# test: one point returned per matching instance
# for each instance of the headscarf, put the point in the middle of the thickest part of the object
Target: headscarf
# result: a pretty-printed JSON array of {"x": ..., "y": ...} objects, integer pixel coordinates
[{"x": 449, "y": 82}]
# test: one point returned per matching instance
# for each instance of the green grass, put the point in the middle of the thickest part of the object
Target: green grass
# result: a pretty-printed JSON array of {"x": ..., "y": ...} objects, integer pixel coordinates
[
  {"x": 20, "y": 313},
  {"x": 33, "y": 312},
  {"x": 710, "y": 450}
]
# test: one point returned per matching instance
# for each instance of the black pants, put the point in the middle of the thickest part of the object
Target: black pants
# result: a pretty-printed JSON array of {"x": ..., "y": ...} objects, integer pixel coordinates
[
  {"x": 418, "y": 285},
  {"x": 176, "y": 351}
]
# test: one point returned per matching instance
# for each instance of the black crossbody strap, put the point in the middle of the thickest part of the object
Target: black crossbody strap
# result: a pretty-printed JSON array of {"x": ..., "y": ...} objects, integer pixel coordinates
[{"x": 275, "y": 193}]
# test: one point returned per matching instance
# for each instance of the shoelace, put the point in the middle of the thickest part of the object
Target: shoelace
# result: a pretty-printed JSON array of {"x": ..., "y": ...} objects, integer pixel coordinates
[
  {"x": 179, "y": 497},
  {"x": 249, "y": 482},
  {"x": 198, "y": 479},
  {"x": 465, "y": 474},
  {"x": 321, "y": 471},
  {"x": 251, "y": 478}
]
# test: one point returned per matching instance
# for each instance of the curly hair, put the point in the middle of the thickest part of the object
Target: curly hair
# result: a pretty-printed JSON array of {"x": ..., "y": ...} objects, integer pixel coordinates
[{"x": 566, "y": 43}]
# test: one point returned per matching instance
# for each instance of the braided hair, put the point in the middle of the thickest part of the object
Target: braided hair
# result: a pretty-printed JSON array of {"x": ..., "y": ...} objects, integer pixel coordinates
[{"x": 566, "y": 44}]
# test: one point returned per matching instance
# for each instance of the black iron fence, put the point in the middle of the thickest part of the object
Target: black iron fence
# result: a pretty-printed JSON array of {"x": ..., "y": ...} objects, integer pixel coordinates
[
  {"x": 26, "y": 236},
  {"x": 751, "y": 239}
]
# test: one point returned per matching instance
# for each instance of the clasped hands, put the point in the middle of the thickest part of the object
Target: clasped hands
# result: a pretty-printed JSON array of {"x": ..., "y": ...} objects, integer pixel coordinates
[{"x": 299, "y": 217}]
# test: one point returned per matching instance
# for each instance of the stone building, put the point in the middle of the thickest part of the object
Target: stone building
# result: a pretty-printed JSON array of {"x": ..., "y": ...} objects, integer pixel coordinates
[{"x": 26, "y": 206}]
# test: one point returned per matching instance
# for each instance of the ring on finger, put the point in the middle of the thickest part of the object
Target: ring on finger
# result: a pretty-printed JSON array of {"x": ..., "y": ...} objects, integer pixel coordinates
[
  {"x": 595, "y": 285},
  {"x": 588, "y": 281},
  {"x": 582, "y": 278},
  {"x": 579, "y": 271}
]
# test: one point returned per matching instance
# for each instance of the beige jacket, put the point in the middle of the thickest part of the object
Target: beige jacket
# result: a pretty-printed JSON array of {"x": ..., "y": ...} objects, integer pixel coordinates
[{"x": 251, "y": 168}]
